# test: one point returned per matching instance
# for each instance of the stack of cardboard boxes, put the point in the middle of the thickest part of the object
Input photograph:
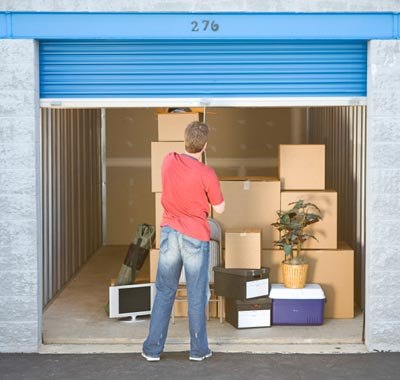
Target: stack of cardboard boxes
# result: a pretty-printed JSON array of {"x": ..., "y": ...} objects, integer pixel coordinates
[
  {"x": 302, "y": 176},
  {"x": 251, "y": 205},
  {"x": 171, "y": 127}
]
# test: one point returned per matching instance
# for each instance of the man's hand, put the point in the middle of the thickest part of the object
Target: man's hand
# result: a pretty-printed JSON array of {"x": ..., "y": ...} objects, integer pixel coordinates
[{"x": 219, "y": 209}]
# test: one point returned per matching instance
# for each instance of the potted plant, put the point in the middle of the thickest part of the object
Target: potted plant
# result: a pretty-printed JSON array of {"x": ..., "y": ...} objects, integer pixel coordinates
[{"x": 292, "y": 225}]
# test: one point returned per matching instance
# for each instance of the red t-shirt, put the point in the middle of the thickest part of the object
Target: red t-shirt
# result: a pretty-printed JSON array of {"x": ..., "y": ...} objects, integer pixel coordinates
[{"x": 189, "y": 186}]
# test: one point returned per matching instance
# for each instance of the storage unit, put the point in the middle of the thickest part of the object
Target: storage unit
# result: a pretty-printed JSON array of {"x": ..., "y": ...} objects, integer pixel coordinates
[
  {"x": 326, "y": 229},
  {"x": 241, "y": 284},
  {"x": 248, "y": 314},
  {"x": 171, "y": 126},
  {"x": 333, "y": 269},
  {"x": 158, "y": 152},
  {"x": 297, "y": 306},
  {"x": 302, "y": 167},
  {"x": 243, "y": 248},
  {"x": 251, "y": 202}
]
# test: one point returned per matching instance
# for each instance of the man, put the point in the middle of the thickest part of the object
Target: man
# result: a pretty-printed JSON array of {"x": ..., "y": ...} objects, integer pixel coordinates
[{"x": 189, "y": 186}]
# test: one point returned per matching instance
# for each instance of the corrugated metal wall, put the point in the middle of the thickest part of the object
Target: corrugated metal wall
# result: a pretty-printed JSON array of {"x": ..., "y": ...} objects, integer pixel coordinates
[
  {"x": 71, "y": 183},
  {"x": 343, "y": 130}
]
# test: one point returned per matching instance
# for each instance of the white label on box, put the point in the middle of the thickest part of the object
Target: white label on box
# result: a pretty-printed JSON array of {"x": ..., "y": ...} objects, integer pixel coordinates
[
  {"x": 257, "y": 288},
  {"x": 246, "y": 185},
  {"x": 254, "y": 318}
]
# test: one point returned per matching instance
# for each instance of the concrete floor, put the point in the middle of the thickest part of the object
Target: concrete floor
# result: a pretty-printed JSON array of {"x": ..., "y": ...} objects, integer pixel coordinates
[{"x": 76, "y": 321}]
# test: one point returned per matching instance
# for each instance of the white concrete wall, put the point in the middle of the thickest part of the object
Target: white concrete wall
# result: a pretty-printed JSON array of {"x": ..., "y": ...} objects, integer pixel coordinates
[
  {"x": 20, "y": 288},
  {"x": 383, "y": 197},
  {"x": 202, "y": 5}
]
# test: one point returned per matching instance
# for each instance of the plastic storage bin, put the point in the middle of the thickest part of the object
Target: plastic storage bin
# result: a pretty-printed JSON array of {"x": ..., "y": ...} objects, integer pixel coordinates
[
  {"x": 297, "y": 306},
  {"x": 241, "y": 284},
  {"x": 248, "y": 314}
]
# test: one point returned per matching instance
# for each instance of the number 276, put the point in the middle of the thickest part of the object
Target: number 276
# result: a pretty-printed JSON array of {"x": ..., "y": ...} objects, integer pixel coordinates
[{"x": 204, "y": 25}]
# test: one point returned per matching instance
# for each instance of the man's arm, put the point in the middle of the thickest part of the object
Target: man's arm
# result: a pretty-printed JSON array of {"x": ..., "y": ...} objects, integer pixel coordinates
[{"x": 219, "y": 209}]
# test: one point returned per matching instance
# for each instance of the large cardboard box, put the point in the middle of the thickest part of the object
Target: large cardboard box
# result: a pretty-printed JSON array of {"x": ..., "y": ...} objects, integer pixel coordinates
[
  {"x": 326, "y": 229},
  {"x": 251, "y": 202},
  {"x": 171, "y": 126},
  {"x": 243, "y": 248},
  {"x": 302, "y": 167},
  {"x": 158, "y": 151},
  {"x": 333, "y": 269}
]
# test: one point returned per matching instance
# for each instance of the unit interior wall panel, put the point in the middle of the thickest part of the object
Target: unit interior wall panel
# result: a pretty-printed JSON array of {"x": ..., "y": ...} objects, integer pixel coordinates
[
  {"x": 71, "y": 200},
  {"x": 343, "y": 131}
]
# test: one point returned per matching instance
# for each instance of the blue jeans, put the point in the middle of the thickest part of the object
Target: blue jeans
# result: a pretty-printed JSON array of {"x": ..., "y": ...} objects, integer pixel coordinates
[{"x": 177, "y": 249}]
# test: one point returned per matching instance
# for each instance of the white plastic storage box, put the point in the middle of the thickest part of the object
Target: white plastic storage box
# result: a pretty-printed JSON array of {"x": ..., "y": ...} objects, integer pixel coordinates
[
  {"x": 248, "y": 314},
  {"x": 297, "y": 306}
]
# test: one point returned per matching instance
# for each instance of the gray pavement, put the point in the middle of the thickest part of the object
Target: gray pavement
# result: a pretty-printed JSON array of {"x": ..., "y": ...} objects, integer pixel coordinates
[{"x": 376, "y": 366}]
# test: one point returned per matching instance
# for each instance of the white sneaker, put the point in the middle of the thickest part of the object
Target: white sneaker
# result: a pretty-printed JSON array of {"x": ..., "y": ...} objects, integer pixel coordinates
[
  {"x": 151, "y": 358},
  {"x": 200, "y": 358}
]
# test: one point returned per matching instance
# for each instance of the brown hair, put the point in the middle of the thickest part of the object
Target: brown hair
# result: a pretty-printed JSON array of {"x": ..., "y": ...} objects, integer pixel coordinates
[{"x": 196, "y": 135}]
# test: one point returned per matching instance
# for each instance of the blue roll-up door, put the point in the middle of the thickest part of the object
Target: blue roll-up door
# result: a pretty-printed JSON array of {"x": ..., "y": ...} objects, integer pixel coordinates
[{"x": 240, "y": 68}]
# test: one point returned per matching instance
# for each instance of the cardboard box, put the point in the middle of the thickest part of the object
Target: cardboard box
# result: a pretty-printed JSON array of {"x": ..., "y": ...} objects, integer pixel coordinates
[
  {"x": 181, "y": 305},
  {"x": 332, "y": 269},
  {"x": 171, "y": 126},
  {"x": 326, "y": 229},
  {"x": 302, "y": 167},
  {"x": 159, "y": 213},
  {"x": 154, "y": 255},
  {"x": 243, "y": 248},
  {"x": 158, "y": 151},
  {"x": 251, "y": 202}
]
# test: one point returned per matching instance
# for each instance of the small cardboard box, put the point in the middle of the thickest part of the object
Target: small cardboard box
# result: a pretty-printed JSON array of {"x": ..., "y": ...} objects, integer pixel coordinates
[
  {"x": 302, "y": 167},
  {"x": 158, "y": 152},
  {"x": 243, "y": 248},
  {"x": 251, "y": 202},
  {"x": 332, "y": 269},
  {"x": 326, "y": 229},
  {"x": 171, "y": 126},
  {"x": 181, "y": 305}
]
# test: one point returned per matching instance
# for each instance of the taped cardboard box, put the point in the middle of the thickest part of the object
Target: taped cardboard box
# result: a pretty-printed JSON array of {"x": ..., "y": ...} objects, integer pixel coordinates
[
  {"x": 333, "y": 269},
  {"x": 243, "y": 248},
  {"x": 326, "y": 229},
  {"x": 302, "y": 167},
  {"x": 251, "y": 202},
  {"x": 171, "y": 126},
  {"x": 158, "y": 152}
]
